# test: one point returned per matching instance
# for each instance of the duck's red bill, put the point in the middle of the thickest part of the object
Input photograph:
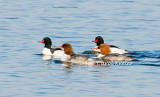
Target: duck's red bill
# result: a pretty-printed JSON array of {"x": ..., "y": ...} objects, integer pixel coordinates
[
  {"x": 60, "y": 47},
  {"x": 42, "y": 41},
  {"x": 95, "y": 41},
  {"x": 95, "y": 48}
]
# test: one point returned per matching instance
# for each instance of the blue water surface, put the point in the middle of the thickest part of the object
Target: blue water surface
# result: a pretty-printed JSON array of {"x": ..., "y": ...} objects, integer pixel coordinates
[{"x": 133, "y": 25}]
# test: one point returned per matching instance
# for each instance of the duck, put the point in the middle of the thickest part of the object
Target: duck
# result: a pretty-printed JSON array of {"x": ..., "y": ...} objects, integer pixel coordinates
[
  {"x": 113, "y": 49},
  {"x": 47, "y": 50},
  {"x": 71, "y": 57},
  {"x": 106, "y": 55}
]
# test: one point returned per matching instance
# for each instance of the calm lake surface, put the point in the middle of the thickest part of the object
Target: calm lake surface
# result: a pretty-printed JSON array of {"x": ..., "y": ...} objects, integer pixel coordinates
[{"x": 133, "y": 25}]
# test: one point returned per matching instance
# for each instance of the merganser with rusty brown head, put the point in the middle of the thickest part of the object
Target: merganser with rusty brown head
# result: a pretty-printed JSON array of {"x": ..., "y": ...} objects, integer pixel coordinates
[
  {"x": 106, "y": 55},
  {"x": 70, "y": 56},
  {"x": 47, "y": 50},
  {"x": 113, "y": 49}
]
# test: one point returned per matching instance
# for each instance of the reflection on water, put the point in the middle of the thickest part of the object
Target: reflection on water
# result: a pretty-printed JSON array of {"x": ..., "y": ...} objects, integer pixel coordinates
[
  {"x": 46, "y": 57},
  {"x": 131, "y": 25}
]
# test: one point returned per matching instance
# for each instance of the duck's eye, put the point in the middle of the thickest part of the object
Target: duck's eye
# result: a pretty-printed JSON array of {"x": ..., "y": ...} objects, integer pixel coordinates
[{"x": 63, "y": 45}]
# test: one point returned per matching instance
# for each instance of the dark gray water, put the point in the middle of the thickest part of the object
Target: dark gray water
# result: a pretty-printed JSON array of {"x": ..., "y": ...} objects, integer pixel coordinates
[{"x": 133, "y": 25}]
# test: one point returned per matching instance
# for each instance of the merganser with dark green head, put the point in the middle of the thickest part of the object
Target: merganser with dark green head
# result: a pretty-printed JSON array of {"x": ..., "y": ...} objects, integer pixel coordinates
[{"x": 47, "y": 50}]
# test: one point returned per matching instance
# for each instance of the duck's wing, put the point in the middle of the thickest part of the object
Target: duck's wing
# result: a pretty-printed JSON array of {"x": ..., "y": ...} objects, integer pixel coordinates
[
  {"x": 116, "y": 57},
  {"x": 113, "y": 46}
]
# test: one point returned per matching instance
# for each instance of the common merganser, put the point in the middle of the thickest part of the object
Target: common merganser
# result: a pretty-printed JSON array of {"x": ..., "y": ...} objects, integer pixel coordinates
[
  {"x": 113, "y": 49},
  {"x": 70, "y": 56},
  {"x": 106, "y": 56},
  {"x": 47, "y": 50}
]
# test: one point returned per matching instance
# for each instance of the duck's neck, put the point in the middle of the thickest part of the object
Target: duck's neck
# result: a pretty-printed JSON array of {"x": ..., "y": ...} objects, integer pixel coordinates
[
  {"x": 48, "y": 45},
  {"x": 105, "y": 51},
  {"x": 68, "y": 51},
  {"x": 100, "y": 42}
]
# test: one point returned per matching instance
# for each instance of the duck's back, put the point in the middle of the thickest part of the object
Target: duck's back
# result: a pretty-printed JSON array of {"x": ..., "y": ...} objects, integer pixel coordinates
[{"x": 78, "y": 58}]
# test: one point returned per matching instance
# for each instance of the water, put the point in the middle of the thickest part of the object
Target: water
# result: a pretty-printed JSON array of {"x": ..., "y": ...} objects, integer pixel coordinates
[{"x": 129, "y": 24}]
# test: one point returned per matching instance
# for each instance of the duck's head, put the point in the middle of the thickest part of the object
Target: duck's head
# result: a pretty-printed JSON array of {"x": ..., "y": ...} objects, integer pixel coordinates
[
  {"x": 98, "y": 40},
  {"x": 104, "y": 48},
  {"x": 47, "y": 41},
  {"x": 67, "y": 48}
]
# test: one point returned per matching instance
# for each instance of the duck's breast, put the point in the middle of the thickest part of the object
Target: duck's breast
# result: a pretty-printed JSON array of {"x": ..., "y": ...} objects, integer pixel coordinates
[{"x": 46, "y": 51}]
